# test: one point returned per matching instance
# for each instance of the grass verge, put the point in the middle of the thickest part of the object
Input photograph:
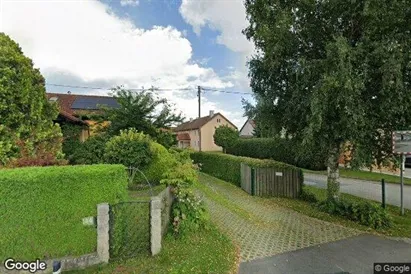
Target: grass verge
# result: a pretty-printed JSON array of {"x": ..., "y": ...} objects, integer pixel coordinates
[
  {"x": 401, "y": 224},
  {"x": 208, "y": 251},
  {"x": 364, "y": 175},
  {"x": 145, "y": 192},
  {"x": 219, "y": 198}
]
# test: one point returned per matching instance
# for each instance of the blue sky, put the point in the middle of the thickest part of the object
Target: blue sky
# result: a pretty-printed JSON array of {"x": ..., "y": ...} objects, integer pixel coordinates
[{"x": 165, "y": 43}]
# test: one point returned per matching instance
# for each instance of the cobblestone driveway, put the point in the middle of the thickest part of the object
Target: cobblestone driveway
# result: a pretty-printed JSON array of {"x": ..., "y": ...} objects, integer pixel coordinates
[{"x": 264, "y": 229}]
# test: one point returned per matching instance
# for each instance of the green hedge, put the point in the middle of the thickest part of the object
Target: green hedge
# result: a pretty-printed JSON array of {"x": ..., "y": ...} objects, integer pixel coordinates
[
  {"x": 227, "y": 167},
  {"x": 41, "y": 208},
  {"x": 288, "y": 151}
]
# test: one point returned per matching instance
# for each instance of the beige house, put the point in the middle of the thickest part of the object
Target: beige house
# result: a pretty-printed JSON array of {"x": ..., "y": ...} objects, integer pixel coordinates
[
  {"x": 248, "y": 129},
  {"x": 199, "y": 133}
]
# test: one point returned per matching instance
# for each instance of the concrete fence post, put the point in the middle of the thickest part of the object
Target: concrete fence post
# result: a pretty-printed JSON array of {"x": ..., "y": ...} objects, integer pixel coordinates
[
  {"x": 155, "y": 225},
  {"x": 103, "y": 232}
]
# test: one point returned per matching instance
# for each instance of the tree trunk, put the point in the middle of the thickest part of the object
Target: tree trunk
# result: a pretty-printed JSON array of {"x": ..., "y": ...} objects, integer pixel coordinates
[{"x": 333, "y": 184}]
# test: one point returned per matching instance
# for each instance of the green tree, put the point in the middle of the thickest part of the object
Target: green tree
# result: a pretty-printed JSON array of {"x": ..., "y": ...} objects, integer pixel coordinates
[
  {"x": 225, "y": 137},
  {"x": 165, "y": 138},
  {"x": 26, "y": 117},
  {"x": 141, "y": 110},
  {"x": 329, "y": 72}
]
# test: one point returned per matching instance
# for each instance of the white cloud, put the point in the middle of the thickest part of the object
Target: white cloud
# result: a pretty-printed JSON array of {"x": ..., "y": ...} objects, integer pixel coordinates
[
  {"x": 229, "y": 18},
  {"x": 86, "y": 42},
  {"x": 132, "y": 3}
]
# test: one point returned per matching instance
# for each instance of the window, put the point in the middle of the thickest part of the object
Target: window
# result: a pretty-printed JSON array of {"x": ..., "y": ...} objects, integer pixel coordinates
[
  {"x": 218, "y": 120},
  {"x": 53, "y": 99}
]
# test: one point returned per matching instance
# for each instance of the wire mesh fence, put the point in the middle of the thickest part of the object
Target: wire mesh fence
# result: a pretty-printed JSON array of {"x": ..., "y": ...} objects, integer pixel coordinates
[{"x": 129, "y": 229}]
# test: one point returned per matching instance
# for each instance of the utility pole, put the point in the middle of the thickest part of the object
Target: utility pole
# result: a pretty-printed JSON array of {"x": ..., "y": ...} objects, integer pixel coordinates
[
  {"x": 199, "y": 101},
  {"x": 199, "y": 116}
]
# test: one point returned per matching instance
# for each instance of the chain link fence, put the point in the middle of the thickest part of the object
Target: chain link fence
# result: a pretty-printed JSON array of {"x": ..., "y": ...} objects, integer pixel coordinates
[{"x": 129, "y": 229}]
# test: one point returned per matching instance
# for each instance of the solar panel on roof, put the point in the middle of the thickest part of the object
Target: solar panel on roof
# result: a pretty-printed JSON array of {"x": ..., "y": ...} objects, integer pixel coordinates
[{"x": 94, "y": 102}]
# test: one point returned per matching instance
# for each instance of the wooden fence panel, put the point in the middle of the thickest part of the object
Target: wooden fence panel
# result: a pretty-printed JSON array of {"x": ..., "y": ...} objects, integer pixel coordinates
[{"x": 270, "y": 181}]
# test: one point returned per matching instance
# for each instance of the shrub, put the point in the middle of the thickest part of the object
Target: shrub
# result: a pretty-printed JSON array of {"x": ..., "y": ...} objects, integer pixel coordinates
[
  {"x": 283, "y": 150},
  {"x": 44, "y": 155},
  {"x": 71, "y": 140},
  {"x": 165, "y": 138},
  {"x": 42, "y": 208},
  {"x": 365, "y": 213},
  {"x": 161, "y": 162},
  {"x": 91, "y": 151},
  {"x": 188, "y": 212},
  {"x": 227, "y": 167},
  {"x": 130, "y": 148},
  {"x": 225, "y": 137},
  {"x": 308, "y": 196}
]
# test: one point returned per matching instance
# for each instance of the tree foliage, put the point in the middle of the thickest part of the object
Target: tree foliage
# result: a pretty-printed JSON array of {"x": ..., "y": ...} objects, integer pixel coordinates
[
  {"x": 225, "y": 136},
  {"x": 141, "y": 110},
  {"x": 26, "y": 117},
  {"x": 329, "y": 72}
]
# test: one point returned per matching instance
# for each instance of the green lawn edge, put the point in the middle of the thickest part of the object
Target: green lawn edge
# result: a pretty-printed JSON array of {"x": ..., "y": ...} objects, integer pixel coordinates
[{"x": 364, "y": 175}]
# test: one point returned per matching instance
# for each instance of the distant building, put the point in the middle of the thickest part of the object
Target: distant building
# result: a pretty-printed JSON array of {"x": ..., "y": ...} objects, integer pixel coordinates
[
  {"x": 199, "y": 133},
  {"x": 248, "y": 129},
  {"x": 76, "y": 109}
]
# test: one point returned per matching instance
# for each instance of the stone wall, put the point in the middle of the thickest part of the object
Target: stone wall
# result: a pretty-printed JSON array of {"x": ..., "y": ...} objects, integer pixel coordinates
[{"x": 160, "y": 209}]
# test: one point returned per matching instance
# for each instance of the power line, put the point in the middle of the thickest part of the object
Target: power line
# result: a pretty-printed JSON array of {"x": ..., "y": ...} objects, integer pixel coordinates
[
  {"x": 226, "y": 91},
  {"x": 152, "y": 88},
  {"x": 101, "y": 88}
]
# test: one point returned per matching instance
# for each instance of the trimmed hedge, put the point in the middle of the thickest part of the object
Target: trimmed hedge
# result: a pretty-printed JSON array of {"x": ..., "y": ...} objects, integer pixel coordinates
[
  {"x": 365, "y": 213},
  {"x": 228, "y": 167},
  {"x": 41, "y": 208},
  {"x": 288, "y": 151}
]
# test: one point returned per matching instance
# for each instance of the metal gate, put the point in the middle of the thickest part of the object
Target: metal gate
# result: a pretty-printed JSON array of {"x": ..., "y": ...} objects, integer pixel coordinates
[{"x": 129, "y": 229}]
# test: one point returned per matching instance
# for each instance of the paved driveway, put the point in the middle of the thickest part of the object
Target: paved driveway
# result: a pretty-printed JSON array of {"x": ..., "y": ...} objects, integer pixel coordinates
[
  {"x": 264, "y": 229},
  {"x": 365, "y": 189},
  {"x": 352, "y": 255}
]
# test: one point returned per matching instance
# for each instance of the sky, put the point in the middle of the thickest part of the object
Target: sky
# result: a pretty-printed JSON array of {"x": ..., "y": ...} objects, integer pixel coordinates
[{"x": 168, "y": 44}]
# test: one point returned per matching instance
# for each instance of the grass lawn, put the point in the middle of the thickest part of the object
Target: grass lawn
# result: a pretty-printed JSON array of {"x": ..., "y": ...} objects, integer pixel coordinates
[
  {"x": 207, "y": 251},
  {"x": 365, "y": 175},
  {"x": 401, "y": 224},
  {"x": 145, "y": 192}
]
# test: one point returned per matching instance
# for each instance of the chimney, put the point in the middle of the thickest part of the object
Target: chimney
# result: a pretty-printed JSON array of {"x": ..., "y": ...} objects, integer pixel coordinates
[
  {"x": 211, "y": 113},
  {"x": 191, "y": 119}
]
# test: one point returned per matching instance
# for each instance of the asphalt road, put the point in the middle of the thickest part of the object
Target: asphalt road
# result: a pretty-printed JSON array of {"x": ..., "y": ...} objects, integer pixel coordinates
[
  {"x": 353, "y": 255},
  {"x": 365, "y": 189}
]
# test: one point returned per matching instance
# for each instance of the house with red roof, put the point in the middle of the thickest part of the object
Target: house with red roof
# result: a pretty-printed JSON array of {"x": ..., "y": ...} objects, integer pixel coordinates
[
  {"x": 76, "y": 109},
  {"x": 198, "y": 134}
]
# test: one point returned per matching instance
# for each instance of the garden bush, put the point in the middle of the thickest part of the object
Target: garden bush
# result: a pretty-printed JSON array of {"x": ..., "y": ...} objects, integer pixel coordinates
[
  {"x": 131, "y": 148},
  {"x": 227, "y": 167},
  {"x": 308, "y": 196},
  {"x": 42, "y": 208},
  {"x": 161, "y": 162},
  {"x": 283, "y": 150},
  {"x": 89, "y": 152},
  {"x": 365, "y": 213},
  {"x": 188, "y": 211}
]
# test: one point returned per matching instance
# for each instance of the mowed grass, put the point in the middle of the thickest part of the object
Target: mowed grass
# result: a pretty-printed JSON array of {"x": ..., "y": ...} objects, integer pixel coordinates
[
  {"x": 365, "y": 175},
  {"x": 207, "y": 251},
  {"x": 145, "y": 192},
  {"x": 401, "y": 224}
]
